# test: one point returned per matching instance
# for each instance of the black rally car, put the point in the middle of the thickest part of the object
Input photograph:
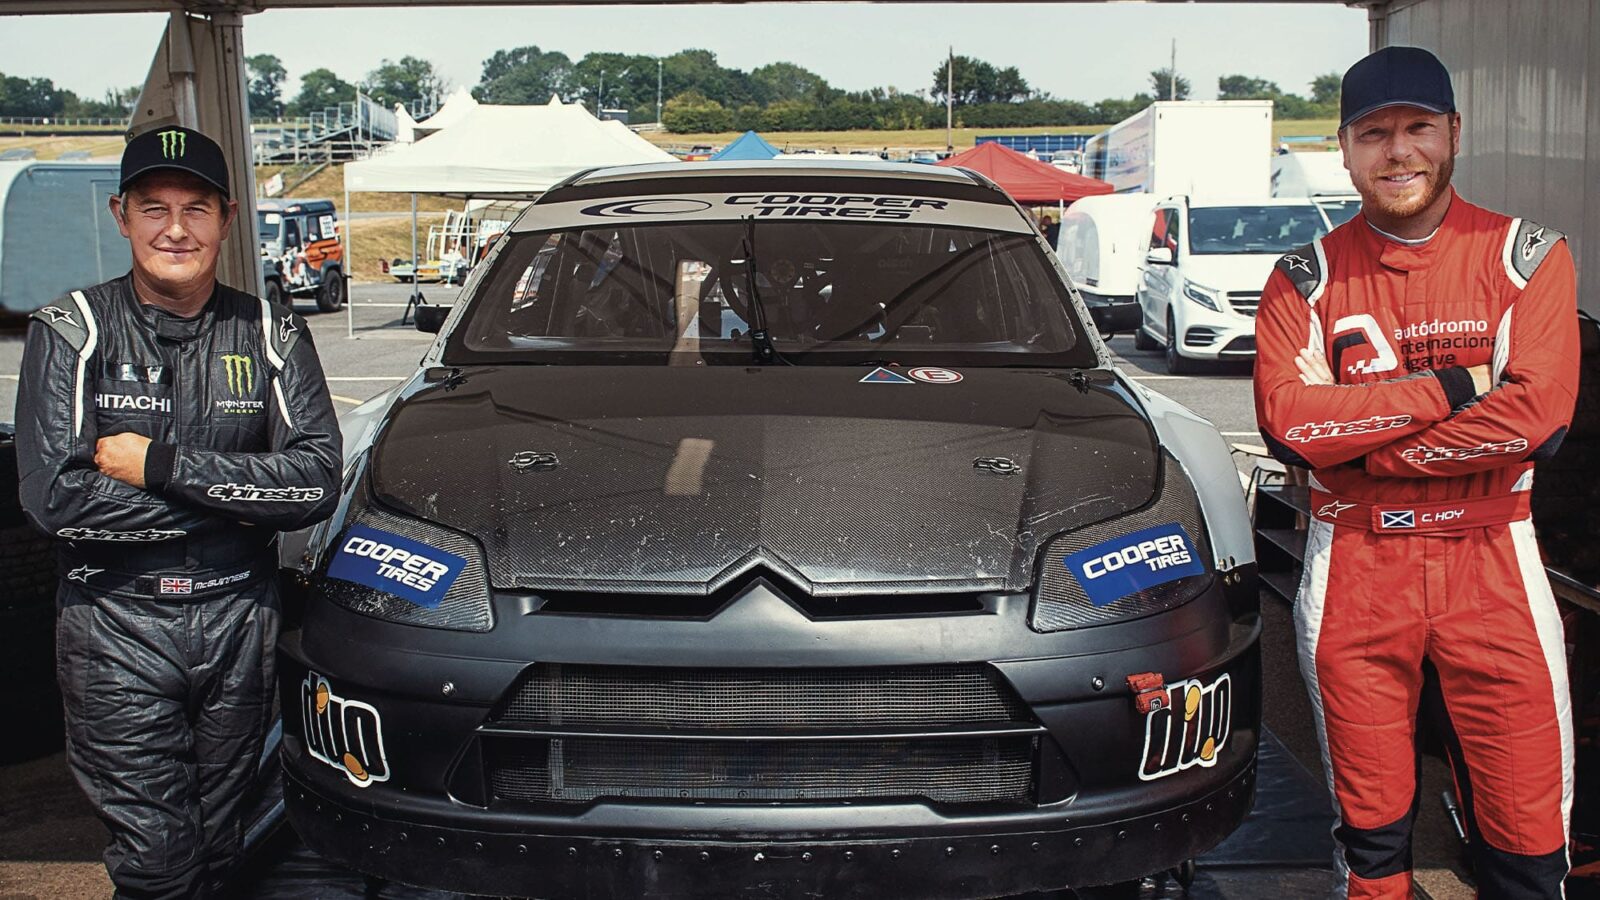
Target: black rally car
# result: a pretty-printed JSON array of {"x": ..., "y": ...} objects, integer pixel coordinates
[{"x": 773, "y": 530}]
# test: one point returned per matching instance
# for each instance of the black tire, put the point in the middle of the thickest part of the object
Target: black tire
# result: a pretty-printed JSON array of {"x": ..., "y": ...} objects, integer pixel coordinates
[
  {"x": 275, "y": 294},
  {"x": 331, "y": 296},
  {"x": 1177, "y": 363},
  {"x": 1143, "y": 341}
]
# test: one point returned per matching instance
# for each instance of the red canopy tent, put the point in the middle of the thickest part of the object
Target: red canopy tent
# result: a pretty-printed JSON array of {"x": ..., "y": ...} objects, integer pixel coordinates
[{"x": 1028, "y": 182}]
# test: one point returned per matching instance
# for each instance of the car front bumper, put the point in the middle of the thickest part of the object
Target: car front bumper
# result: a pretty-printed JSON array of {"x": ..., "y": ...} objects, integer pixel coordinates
[
  {"x": 1208, "y": 334},
  {"x": 435, "y": 819}
]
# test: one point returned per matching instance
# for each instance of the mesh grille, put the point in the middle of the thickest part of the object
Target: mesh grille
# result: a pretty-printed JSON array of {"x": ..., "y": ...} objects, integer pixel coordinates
[
  {"x": 465, "y": 606},
  {"x": 1062, "y": 603},
  {"x": 946, "y": 770},
  {"x": 1242, "y": 344},
  {"x": 552, "y": 694},
  {"x": 1245, "y": 302}
]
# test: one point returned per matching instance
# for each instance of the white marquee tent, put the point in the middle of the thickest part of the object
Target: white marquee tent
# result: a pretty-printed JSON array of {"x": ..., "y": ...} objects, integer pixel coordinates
[
  {"x": 406, "y": 127},
  {"x": 456, "y": 107},
  {"x": 503, "y": 151}
]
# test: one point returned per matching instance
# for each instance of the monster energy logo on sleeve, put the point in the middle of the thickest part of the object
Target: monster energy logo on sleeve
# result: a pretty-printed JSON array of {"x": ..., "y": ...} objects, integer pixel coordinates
[
  {"x": 241, "y": 374},
  {"x": 173, "y": 144}
]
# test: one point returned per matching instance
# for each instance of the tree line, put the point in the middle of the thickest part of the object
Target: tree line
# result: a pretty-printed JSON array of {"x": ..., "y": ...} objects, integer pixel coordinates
[
  {"x": 698, "y": 94},
  {"x": 40, "y": 98}
]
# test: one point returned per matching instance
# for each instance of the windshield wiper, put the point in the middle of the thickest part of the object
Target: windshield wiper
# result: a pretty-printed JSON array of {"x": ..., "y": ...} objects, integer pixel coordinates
[{"x": 760, "y": 337}]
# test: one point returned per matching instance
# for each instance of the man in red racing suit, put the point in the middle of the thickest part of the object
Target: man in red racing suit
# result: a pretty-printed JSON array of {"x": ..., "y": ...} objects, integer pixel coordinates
[{"x": 1419, "y": 360}]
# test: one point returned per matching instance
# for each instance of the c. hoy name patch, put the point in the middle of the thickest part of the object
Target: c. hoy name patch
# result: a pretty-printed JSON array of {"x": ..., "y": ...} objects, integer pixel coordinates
[{"x": 1134, "y": 562}]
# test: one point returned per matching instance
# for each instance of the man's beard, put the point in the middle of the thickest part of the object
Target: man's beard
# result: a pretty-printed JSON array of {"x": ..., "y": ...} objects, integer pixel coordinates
[{"x": 1438, "y": 183}]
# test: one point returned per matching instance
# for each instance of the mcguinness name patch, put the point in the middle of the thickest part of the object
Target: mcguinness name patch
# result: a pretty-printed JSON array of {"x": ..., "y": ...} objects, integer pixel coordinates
[{"x": 396, "y": 565}]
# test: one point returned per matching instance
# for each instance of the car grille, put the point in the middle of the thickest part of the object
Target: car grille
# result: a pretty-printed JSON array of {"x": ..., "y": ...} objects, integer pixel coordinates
[
  {"x": 946, "y": 770},
  {"x": 552, "y": 694},
  {"x": 952, "y": 734},
  {"x": 1242, "y": 344},
  {"x": 1244, "y": 302}
]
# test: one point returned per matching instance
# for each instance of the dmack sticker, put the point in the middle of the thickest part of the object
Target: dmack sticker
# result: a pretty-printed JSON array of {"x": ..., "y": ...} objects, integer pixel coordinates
[
  {"x": 1189, "y": 730},
  {"x": 343, "y": 733},
  {"x": 397, "y": 565},
  {"x": 1134, "y": 562}
]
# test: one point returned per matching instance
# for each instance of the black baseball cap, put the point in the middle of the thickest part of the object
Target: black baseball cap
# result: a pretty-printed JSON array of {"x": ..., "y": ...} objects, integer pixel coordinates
[
  {"x": 1395, "y": 76},
  {"x": 176, "y": 148}
]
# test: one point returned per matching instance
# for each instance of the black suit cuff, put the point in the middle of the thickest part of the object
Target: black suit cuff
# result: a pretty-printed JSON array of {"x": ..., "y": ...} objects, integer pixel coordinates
[{"x": 159, "y": 459}]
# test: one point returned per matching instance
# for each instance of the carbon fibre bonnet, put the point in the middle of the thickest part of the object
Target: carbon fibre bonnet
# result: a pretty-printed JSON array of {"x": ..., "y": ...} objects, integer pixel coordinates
[{"x": 677, "y": 480}]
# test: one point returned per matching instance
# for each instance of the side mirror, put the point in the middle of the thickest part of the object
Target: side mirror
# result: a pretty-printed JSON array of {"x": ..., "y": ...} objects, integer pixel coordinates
[
  {"x": 1160, "y": 256},
  {"x": 431, "y": 318}
]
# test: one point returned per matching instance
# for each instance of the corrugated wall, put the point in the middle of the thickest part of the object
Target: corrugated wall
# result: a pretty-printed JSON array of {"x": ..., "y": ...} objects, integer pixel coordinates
[{"x": 1527, "y": 80}]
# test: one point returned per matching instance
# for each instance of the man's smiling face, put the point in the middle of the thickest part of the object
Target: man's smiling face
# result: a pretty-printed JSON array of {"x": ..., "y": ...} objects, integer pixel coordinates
[
  {"x": 175, "y": 224},
  {"x": 1401, "y": 158}
]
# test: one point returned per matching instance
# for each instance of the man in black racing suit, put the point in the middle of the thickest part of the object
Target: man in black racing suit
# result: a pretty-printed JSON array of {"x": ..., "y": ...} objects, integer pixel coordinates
[{"x": 168, "y": 427}]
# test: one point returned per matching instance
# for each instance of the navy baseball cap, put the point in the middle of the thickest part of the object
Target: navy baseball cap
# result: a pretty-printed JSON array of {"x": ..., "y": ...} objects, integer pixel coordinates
[
  {"x": 1395, "y": 76},
  {"x": 178, "y": 149}
]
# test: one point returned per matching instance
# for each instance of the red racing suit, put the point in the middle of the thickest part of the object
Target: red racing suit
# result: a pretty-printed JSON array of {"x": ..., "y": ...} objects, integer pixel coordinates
[{"x": 1421, "y": 550}]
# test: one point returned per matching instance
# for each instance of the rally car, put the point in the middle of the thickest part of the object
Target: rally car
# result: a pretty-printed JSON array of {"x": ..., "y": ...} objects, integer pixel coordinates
[{"x": 760, "y": 530}]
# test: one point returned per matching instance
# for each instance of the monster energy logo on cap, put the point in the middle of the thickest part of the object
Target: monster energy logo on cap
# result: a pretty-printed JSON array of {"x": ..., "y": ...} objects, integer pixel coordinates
[
  {"x": 241, "y": 374},
  {"x": 173, "y": 143}
]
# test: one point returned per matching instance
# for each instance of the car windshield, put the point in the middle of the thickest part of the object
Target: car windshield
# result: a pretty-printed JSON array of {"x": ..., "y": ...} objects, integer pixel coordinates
[
  {"x": 831, "y": 293},
  {"x": 269, "y": 225},
  {"x": 1252, "y": 229},
  {"x": 1340, "y": 211}
]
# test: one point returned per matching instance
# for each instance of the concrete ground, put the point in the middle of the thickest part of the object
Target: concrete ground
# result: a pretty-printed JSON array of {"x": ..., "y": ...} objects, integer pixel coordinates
[{"x": 50, "y": 842}]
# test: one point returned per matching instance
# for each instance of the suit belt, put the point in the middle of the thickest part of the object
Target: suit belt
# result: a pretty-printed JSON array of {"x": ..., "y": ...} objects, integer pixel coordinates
[{"x": 1421, "y": 518}]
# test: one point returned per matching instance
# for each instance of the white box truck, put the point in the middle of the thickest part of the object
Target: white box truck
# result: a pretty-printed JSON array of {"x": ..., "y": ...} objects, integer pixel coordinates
[
  {"x": 1321, "y": 177},
  {"x": 1188, "y": 147}
]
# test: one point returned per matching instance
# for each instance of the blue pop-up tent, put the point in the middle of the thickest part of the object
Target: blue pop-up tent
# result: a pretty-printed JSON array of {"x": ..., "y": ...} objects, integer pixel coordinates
[{"x": 748, "y": 146}]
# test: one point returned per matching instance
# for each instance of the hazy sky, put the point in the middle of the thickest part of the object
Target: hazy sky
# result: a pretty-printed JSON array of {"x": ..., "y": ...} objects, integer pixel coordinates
[{"x": 1079, "y": 51}]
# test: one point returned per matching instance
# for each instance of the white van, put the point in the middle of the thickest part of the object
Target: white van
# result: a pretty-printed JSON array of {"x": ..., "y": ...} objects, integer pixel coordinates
[
  {"x": 1205, "y": 266},
  {"x": 1102, "y": 245},
  {"x": 1321, "y": 177}
]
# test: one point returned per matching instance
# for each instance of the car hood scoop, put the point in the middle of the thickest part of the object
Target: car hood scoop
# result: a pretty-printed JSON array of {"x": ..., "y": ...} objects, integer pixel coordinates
[{"x": 681, "y": 480}]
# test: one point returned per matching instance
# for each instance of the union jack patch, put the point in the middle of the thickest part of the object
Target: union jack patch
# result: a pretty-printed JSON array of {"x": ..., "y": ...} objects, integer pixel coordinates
[{"x": 176, "y": 586}]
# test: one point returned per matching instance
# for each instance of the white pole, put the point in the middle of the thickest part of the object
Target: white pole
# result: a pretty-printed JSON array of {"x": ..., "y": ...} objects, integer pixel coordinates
[
  {"x": 415, "y": 264},
  {"x": 349, "y": 267}
]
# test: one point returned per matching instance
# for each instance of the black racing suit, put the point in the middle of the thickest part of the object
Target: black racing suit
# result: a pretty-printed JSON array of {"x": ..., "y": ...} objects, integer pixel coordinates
[{"x": 168, "y": 606}]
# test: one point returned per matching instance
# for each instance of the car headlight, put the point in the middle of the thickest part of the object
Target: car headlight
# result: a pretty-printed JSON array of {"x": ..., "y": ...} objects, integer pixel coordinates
[
  {"x": 1202, "y": 295},
  {"x": 1148, "y": 561},
  {"x": 409, "y": 571}
]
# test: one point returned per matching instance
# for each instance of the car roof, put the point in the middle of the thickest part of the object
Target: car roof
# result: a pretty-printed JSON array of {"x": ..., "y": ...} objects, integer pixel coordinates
[
  {"x": 798, "y": 165},
  {"x": 1222, "y": 201},
  {"x": 299, "y": 206}
]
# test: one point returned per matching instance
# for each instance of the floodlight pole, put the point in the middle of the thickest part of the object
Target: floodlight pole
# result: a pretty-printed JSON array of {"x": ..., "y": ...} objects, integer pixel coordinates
[
  {"x": 1172, "y": 73},
  {"x": 949, "y": 100},
  {"x": 658, "y": 90}
]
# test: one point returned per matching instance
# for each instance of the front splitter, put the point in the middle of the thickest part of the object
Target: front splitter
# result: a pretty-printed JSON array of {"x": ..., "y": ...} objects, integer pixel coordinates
[{"x": 933, "y": 867}]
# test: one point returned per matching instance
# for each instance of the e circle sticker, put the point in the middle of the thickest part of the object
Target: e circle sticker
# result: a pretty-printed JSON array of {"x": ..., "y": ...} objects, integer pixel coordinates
[{"x": 930, "y": 375}]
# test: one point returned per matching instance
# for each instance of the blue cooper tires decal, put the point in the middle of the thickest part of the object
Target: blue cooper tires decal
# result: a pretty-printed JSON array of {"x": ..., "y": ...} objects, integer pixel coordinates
[
  {"x": 396, "y": 565},
  {"x": 1134, "y": 562}
]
